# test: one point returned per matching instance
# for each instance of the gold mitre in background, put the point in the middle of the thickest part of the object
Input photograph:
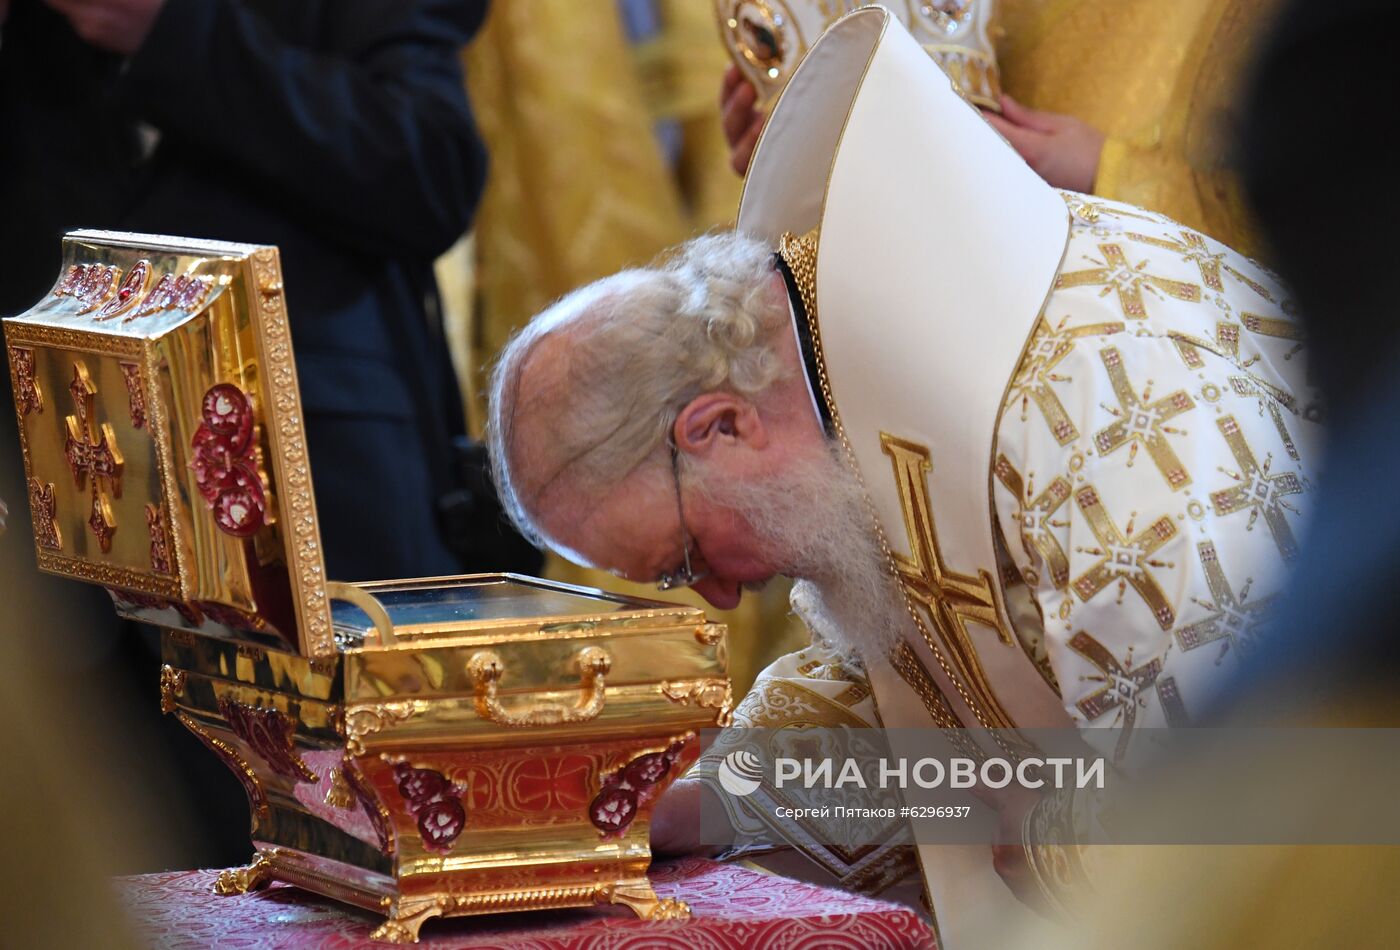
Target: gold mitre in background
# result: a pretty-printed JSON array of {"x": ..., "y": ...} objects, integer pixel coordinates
[{"x": 768, "y": 38}]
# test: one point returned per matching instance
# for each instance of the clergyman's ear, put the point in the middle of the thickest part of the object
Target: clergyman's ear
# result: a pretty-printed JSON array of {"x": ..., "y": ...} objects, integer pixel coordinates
[{"x": 713, "y": 420}]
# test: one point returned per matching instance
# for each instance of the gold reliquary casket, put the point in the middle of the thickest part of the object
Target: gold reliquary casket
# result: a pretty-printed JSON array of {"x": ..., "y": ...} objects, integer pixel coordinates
[{"x": 420, "y": 748}]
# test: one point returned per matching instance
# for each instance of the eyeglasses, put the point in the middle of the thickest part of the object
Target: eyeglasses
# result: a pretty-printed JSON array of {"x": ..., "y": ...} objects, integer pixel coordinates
[{"x": 682, "y": 576}]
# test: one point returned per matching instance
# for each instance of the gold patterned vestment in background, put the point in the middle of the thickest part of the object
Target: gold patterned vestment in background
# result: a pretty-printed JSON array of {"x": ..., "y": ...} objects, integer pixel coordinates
[{"x": 1160, "y": 81}]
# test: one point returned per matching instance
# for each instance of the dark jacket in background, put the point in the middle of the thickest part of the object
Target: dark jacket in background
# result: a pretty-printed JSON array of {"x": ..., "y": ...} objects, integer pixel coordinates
[{"x": 338, "y": 130}]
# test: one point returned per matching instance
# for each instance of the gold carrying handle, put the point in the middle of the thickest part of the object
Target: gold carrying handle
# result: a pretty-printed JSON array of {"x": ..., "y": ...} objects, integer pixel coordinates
[
  {"x": 486, "y": 668},
  {"x": 337, "y": 590}
]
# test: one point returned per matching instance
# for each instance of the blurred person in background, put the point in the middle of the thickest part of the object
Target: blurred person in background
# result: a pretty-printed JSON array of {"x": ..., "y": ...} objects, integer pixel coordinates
[{"x": 1130, "y": 100}]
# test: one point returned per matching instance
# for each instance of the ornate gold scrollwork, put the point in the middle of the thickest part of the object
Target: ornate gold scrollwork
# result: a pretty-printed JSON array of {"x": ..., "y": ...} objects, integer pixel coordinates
[
  {"x": 710, "y": 633},
  {"x": 714, "y": 694},
  {"x": 486, "y": 669},
  {"x": 366, "y": 720}
]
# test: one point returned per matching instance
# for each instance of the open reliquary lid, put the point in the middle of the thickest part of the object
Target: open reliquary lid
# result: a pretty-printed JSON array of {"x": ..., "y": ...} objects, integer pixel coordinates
[{"x": 161, "y": 427}]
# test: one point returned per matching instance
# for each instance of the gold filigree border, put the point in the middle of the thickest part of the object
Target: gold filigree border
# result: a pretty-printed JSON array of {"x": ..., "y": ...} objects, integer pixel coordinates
[{"x": 288, "y": 439}]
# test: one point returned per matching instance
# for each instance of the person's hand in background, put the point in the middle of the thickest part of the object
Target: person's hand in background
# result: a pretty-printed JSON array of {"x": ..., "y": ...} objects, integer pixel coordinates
[
  {"x": 119, "y": 26},
  {"x": 742, "y": 122},
  {"x": 1062, "y": 149}
]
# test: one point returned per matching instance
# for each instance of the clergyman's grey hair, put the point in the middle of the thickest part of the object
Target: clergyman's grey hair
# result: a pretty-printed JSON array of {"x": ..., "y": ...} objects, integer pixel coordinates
[{"x": 641, "y": 344}]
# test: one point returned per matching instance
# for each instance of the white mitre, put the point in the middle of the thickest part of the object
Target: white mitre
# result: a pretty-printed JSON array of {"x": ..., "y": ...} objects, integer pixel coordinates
[{"x": 938, "y": 248}]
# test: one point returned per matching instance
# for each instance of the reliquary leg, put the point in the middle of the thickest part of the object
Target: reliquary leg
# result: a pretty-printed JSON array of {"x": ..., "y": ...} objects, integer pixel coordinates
[
  {"x": 645, "y": 904},
  {"x": 254, "y": 876}
]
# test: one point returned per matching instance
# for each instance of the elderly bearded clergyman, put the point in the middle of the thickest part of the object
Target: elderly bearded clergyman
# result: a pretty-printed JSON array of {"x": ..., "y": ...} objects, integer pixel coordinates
[{"x": 1035, "y": 459}]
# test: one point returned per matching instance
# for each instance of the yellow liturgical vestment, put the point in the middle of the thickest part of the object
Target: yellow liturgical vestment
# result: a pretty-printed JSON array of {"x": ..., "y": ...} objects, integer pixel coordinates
[{"x": 1085, "y": 430}]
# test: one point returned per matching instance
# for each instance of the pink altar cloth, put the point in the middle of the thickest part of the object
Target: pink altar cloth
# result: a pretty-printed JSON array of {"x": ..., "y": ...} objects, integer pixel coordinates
[{"x": 732, "y": 907}]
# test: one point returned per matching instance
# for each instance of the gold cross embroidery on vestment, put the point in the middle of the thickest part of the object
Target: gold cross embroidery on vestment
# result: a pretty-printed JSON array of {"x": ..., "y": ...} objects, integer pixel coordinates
[
  {"x": 1124, "y": 688},
  {"x": 1236, "y": 620},
  {"x": 1034, "y": 515},
  {"x": 1258, "y": 491},
  {"x": 1124, "y": 557},
  {"x": 1114, "y": 273},
  {"x": 1193, "y": 249},
  {"x": 1143, "y": 423},
  {"x": 1037, "y": 371}
]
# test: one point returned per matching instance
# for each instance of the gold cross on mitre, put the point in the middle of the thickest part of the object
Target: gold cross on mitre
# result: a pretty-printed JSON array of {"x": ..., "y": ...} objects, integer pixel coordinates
[
  {"x": 92, "y": 452},
  {"x": 1114, "y": 273},
  {"x": 948, "y": 599},
  {"x": 1143, "y": 423},
  {"x": 1257, "y": 490}
]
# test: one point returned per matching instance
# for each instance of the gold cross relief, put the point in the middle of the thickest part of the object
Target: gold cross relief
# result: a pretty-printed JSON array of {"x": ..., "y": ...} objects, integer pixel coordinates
[
  {"x": 1124, "y": 689},
  {"x": 1124, "y": 557},
  {"x": 1143, "y": 423},
  {"x": 1256, "y": 490},
  {"x": 92, "y": 453},
  {"x": 1035, "y": 516},
  {"x": 947, "y": 599},
  {"x": 1115, "y": 273},
  {"x": 1037, "y": 371},
  {"x": 1234, "y": 620}
]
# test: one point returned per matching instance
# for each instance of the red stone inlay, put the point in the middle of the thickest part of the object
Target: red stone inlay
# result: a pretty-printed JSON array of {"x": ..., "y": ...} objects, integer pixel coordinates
[
  {"x": 44, "y": 507},
  {"x": 92, "y": 451},
  {"x": 128, "y": 293},
  {"x": 628, "y": 788},
  {"x": 135, "y": 394},
  {"x": 435, "y": 802},
  {"x": 269, "y": 733},
  {"x": 613, "y": 810},
  {"x": 225, "y": 464},
  {"x": 160, "y": 544},
  {"x": 28, "y": 397}
]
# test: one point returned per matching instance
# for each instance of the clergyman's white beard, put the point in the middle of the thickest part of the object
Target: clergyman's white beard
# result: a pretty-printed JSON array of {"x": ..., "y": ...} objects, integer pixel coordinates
[{"x": 814, "y": 521}]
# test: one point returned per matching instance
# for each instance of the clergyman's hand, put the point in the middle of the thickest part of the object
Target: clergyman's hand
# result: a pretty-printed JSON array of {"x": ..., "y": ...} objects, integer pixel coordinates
[
  {"x": 1009, "y": 858},
  {"x": 119, "y": 26},
  {"x": 1062, "y": 149},
  {"x": 741, "y": 121},
  {"x": 675, "y": 821}
]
